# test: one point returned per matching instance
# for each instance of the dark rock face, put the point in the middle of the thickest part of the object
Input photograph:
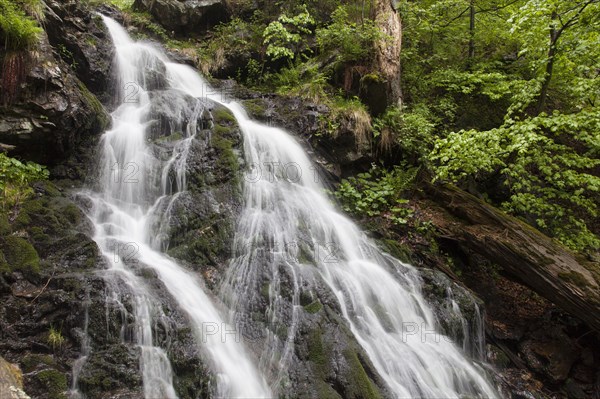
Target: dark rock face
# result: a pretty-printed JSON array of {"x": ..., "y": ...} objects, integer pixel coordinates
[
  {"x": 82, "y": 41},
  {"x": 54, "y": 113},
  {"x": 186, "y": 17}
]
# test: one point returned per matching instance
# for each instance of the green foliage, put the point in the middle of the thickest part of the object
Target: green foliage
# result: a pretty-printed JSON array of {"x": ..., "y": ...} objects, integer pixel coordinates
[
  {"x": 551, "y": 183},
  {"x": 409, "y": 131},
  {"x": 483, "y": 89},
  {"x": 284, "y": 36},
  {"x": 236, "y": 38},
  {"x": 378, "y": 192},
  {"x": 17, "y": 30},
  {"x": 313, "y": 307},
  {"x": 348, "y": 39},
  {"x": 15, "y": 178}
]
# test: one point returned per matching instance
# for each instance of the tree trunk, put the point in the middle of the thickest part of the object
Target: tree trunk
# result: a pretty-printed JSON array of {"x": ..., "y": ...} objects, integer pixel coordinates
[
  {"x": 554, "y": 36},
  {"x": 471, "y": 31},
  {"x": 388, "y": 50},
  {"x": 565, "y": 279}
]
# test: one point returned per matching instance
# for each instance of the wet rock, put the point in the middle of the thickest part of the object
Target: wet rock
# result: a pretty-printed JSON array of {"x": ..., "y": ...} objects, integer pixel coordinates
[
  {"x": 82, "y": 41},
  {"x": 171, "y": 113},
  {"x": 53, "y": 114},
  {"x": 554, "y": 357}
]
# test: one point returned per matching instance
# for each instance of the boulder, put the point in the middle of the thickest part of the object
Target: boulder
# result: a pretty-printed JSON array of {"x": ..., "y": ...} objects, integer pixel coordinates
[
  {"x": 185, "y": 17},
  {"x": 11, "y": 381}
]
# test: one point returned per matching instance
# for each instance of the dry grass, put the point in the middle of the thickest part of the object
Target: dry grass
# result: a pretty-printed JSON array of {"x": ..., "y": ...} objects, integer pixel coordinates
[{"x": 15, "y": 66}]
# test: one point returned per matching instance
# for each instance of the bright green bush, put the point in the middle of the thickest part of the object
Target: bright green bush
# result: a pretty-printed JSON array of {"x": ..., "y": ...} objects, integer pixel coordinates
[
  {"x": 284, "y": 36},
  {"x": 408, "y": 131}
]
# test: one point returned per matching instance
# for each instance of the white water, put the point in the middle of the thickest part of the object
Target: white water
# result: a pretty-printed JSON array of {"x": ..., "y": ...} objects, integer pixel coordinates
[
  {"x": 135, "y": 185},
  {"x": 284, "y": 214},
  {"x": 380, "y": 296}
]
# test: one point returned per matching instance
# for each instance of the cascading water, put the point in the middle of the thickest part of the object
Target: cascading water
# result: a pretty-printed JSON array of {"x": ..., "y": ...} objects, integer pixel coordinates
[
  {"x": 287, "y": 212},
  {"x": 380, "y": 296},
  {"x": 135, "y": 186},
  {"x": 285, "y": 215}
]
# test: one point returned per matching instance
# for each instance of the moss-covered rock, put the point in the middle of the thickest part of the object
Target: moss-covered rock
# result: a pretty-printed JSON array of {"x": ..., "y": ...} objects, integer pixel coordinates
[
  {"x": 360, "y": 385},
  {"x": 54, "y": 382},
  {"x": 256, "y": 108},
  {"x": 313, "y": 307},
  {"x": 20, "y": 255},
  {"x": 111, "y": 368}
]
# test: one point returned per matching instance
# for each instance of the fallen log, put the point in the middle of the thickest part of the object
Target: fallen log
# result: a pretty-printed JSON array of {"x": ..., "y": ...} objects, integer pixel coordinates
[{"x": 566, "y": 279}]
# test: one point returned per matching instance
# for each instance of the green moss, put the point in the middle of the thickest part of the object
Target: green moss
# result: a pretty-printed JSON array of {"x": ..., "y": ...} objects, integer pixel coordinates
[
  {"x": 91, "y": 41},
  {"x": 305, "y": 255},
  {"x": 55, "y": 383},
  {"x": 72, "y": 213},
  {"x": 49, "y": 188},
  {"x": 264, "y": 290},
  {"x": 101, "y": 116},
  {"x": 33, "y": 206},
  {"x": 398, "y": 250},
  {"x": 574, "y": 278},
  {"x": 314, "y": 307},
  {"x": 360, "y": 385},
  {"x": 256, "y": 108},
  {"x": 20, "y": 255},
  {"x": 227, "y": 158},
  {"x": 222, "y": 115},
  {"x": 175, "y": 136},
  {"x": 223, "y": 130},
  {"x": 4, "y": 225},
  {"x": 29, "y": 363},
  {"x": 316, "y": 351}
]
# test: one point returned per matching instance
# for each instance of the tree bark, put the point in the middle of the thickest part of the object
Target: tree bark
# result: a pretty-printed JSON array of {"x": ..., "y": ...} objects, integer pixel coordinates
[
  {"x": 554, "y": 36},
  {"x": 562, "y": 277},
  {"x": 471, "y": 30},
  {"x": 388, "y": 50}
]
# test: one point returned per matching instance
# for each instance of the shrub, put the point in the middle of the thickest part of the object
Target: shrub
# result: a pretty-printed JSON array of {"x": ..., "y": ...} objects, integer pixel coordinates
[
  {"x": 15, "y": 179},
  {"x": 351, "y": 41},
  {"x": 410, "y": 131},
  {"x": 284, "y": 36},
  {"x": 551, "y": 185},
  {"x": 378, "y": 192}
]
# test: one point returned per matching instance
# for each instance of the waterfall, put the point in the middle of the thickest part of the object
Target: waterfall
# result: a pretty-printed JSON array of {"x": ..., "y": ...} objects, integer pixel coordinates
[
  {"x": 287, "y": 216},
  {"x": 286, "y": 212},
  {"x": 134, "y": 186}
]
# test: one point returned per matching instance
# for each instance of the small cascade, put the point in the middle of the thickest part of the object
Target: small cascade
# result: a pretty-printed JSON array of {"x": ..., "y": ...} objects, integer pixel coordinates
[
  {"x": 470, "y": 334},
  {"x": 74, "y": 392}
]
